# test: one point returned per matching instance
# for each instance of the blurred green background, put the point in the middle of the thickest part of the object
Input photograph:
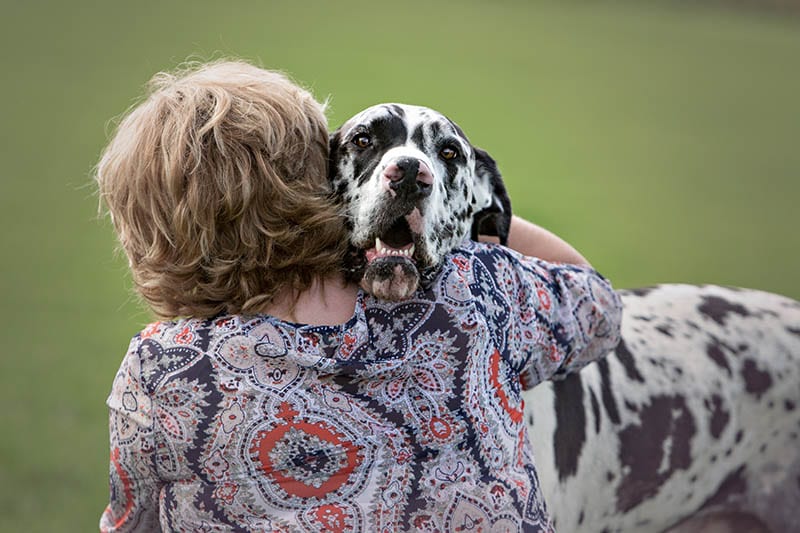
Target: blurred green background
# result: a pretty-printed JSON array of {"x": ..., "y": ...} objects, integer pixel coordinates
[{"x": 661, "y": 139}]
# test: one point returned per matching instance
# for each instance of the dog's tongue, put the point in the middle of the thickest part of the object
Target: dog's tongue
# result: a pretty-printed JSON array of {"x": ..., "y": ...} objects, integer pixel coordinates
[{"x": 384, "y": 250}]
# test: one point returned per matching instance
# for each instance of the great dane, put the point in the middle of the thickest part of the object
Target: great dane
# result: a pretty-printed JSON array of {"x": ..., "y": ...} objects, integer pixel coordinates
[{"x": 691, "y": 424}]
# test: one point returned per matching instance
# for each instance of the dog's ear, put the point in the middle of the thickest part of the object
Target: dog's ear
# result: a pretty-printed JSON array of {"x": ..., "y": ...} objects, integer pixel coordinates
[{"x": 494, "y": 219}]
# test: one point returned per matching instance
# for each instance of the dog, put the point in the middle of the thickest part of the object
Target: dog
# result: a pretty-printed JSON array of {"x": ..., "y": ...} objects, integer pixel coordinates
[
  {"x": 412, "y": 187},
  {"x": 691, "y": 424}
]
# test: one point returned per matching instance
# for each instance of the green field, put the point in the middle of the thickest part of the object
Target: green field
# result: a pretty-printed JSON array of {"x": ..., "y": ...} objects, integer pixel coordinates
[{"x": 662, "y": 140}]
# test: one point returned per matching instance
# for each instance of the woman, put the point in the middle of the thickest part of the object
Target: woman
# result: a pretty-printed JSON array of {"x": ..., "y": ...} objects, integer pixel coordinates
[{"x": 272, "y": 395}]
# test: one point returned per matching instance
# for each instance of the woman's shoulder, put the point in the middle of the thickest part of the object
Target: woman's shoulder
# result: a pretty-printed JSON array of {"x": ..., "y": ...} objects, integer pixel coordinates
[
  {"x": 483, "y": 256},
  {"x": 485, "y": 251},
  {"x": 177, "y": 331},
  {"x": 475, "y": 270}
]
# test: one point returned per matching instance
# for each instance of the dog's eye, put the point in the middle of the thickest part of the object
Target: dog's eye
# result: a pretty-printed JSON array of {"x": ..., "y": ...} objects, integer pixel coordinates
[
  {"x": 448, "y": 153},
  {"x": 362, "y": 140}
]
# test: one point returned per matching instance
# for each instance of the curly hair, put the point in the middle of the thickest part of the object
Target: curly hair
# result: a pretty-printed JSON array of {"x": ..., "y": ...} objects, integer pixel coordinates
[{"x": 216, "y": 186}]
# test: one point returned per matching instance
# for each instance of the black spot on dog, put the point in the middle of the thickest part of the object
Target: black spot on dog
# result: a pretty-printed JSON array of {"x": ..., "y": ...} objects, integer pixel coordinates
[
  {"x": 793, "y": 331},
  {"x": 739, "y": 435},
  {"x": 580, "y": 517},
  {"x": 610, "y": 476},
  {"x": 664, "y": 330},
  {"x": 717, "y": 309},
  {"x": 397, "y": 110},
  {"x": 719, "y": 416},
  {"x": 341, "y": 189},
  {"x": 530, "y": 419},
  {"x": 642, "y": 448},
  {"x": 630, "y": 406},
  {"x": 756, "y": 381},
  {"x": 641, "y": 291},
  {"x": 570, "y": 434},
  {"x": 436, "y": 130},
  {"x": 626, "y": 358},
  {"x": 643, "y": 318},
  {"x": 605, "y": 392},
  {"x": 789, "y": 405},
  {"x": 418, "y": 136},
  {"x": 733, "y": 485},
  {"x": 714, "y": 351},
  {"x": 595, "y": 410}
]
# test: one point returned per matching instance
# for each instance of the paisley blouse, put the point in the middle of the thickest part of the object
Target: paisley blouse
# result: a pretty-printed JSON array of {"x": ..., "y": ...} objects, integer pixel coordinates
[{"x": 406, "y": 418}]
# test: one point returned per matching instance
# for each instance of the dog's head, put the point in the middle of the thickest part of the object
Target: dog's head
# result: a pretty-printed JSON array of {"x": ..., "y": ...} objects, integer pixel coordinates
[{"x": 413, "y": 187}]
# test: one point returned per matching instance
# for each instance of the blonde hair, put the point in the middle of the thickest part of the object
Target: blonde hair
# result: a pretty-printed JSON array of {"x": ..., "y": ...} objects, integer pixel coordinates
[{"x": 216, "y": 185}]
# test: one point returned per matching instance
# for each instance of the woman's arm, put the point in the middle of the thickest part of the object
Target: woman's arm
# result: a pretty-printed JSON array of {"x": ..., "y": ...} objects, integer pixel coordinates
[
  {"x": 133, "y": 478},
  {"x": 529, "y": 239},
  {"x": 564, "y": 314}
]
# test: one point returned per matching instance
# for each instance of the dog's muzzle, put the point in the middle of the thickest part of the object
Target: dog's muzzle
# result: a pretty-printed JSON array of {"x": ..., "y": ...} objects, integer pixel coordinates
[{"x": 391, "y": 271}]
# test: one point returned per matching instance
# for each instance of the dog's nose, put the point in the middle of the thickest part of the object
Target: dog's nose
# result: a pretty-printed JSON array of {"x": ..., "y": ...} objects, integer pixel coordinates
[{"x": 410, "y": 177}]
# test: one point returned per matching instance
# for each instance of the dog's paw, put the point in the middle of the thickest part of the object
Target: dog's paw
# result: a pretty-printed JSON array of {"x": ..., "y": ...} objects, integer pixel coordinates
[{"x": 392, "y": 279}]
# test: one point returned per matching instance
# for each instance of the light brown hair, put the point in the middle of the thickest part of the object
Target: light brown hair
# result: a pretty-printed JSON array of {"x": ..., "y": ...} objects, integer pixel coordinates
[{"x": 216, "y": 185}]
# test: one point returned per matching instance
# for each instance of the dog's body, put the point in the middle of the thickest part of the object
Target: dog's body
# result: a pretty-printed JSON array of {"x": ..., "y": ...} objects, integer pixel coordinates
[{"x": 696, "y": 415}]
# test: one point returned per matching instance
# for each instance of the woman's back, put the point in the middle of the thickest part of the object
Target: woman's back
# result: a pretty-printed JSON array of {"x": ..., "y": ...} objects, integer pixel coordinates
[{"x": 406, "y": 417}]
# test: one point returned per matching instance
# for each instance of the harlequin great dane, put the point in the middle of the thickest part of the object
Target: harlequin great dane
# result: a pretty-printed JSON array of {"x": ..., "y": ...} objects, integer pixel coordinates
[{"x": 691, "y": 424}]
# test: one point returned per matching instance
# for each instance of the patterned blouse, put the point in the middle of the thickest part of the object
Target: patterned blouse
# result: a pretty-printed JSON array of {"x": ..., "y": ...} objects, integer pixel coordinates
[{"x": 406, "y": 418}]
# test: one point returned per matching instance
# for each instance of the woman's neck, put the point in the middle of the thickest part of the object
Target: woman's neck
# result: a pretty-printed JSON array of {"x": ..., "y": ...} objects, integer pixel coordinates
[{"x": 329, "y": 301}]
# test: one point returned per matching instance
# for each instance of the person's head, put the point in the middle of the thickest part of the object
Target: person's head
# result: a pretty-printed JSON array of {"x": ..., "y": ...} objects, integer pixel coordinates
[{"x": 216, "y": 186}]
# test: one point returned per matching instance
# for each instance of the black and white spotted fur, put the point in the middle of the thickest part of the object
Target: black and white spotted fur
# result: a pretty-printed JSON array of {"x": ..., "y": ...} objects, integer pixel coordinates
[
  {"x": 457, "y": 191},
  {"x": 691, "y": 424},
  {"x": 694, "y": 418}
]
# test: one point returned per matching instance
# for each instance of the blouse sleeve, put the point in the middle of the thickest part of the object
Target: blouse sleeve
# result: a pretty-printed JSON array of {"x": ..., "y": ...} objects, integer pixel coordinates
[
  {"x": 561, "y": 317},
  {"x": 133, "y": 482}
]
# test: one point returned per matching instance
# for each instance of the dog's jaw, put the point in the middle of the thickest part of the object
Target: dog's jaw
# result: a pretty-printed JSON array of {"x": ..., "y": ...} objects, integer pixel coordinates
[{"x": 393, "y": 279}]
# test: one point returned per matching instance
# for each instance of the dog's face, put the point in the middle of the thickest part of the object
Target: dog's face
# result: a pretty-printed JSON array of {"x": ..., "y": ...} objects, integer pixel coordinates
[{"x": 413, "y": 187}]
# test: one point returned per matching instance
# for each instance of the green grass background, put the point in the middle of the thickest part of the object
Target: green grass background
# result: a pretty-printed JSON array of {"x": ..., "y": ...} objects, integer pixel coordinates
[{"x": 660, "y": 139}]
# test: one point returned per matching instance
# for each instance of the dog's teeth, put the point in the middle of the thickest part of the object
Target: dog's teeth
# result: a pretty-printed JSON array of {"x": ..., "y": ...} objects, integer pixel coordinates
[
  {"x": 378, "y": 244},
  {"x": 411, "y": 251}
]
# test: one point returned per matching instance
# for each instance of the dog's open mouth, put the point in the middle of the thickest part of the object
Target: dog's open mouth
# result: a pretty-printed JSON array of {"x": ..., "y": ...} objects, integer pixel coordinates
[{"x": 396, "y": 242}]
